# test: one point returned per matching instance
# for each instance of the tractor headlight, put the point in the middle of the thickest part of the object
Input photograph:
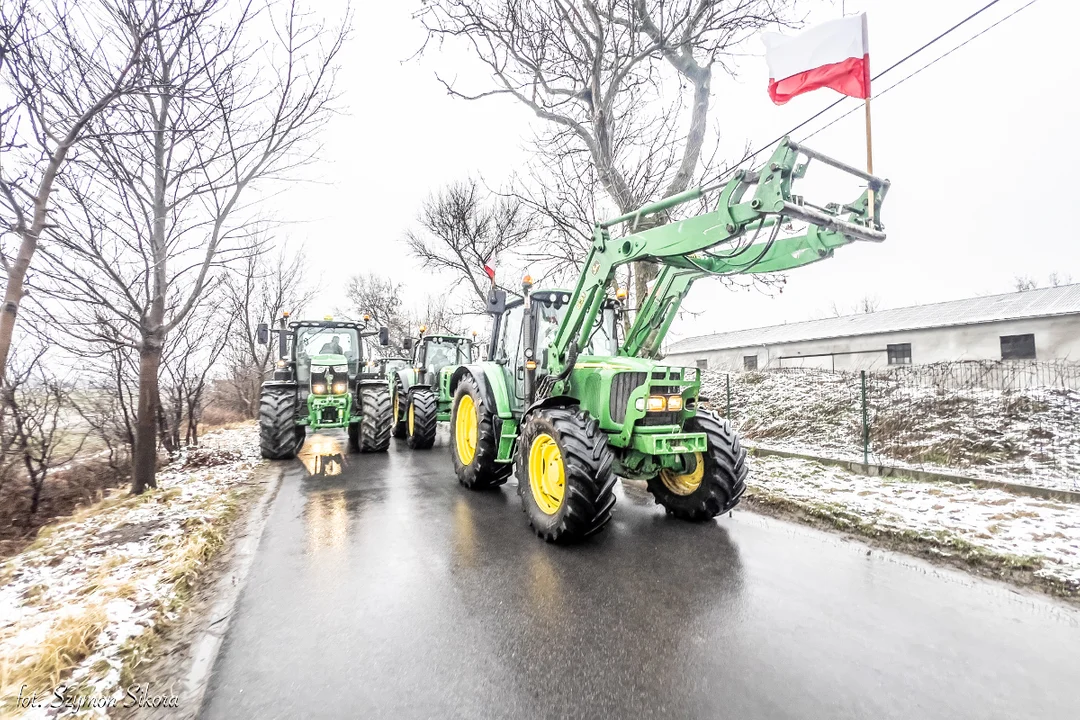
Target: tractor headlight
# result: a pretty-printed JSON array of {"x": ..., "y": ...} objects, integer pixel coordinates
[
  {"x": 340, "y": 388},
  {"x": 318, "y": 389},
  {"x": 341, "y": 368},
  {"x": 674, "y": 403},
  {"x": 656, "y": 403},
  {"x": 281, "y": 364}
]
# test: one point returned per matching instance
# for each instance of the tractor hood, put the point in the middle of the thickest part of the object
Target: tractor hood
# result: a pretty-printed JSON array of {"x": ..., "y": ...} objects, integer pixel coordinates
[{"x": 328, "y": 359}]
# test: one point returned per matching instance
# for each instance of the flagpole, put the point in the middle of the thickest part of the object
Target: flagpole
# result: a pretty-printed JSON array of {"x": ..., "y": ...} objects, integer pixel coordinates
[{"x": 869, "y": 160}]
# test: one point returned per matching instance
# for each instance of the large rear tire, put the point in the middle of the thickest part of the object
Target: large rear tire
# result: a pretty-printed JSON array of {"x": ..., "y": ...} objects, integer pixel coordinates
[
  {"x": 714, "y": 480},
  {"x": 280, "y": 438},
  {"x": 374, "y": 431},
  {"x": 422, "y": 419},
  {"x": 473, "y": 441},
  {"x": 563, "y": 468},
  {"x": 399, "y": 409}
]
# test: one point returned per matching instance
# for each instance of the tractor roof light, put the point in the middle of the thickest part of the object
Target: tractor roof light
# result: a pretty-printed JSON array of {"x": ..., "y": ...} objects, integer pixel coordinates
[
  {"x": 527, "y": 281},
  {"x": 281, "y": 363},
  {"x": 423, "y": 329},
  {"x": 284, "y": 313},
  {"x": 620, "y": 293},
  {"x": 367, "y": 317}
]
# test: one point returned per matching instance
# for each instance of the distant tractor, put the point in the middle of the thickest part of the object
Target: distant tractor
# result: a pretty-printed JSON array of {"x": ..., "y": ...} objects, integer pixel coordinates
[
  {"x": 318, "y": 384},
  {"x": 415, "y": 388}
]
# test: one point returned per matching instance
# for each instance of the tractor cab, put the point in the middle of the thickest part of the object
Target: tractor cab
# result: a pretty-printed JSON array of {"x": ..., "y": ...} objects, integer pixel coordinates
[{"x": 431, "y": 353}]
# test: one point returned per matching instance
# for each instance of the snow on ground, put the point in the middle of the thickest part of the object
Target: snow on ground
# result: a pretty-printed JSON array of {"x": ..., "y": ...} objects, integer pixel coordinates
[
  {"x": 1028, "y": 435},
  {"x": 109, "y": 575},
  {"x": 991, "y": 519}
]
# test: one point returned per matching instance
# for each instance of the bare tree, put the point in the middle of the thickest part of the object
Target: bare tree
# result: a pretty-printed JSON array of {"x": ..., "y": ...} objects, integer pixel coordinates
[
  {"x": 62, "y": 65},
  {"x": 381, "y": 299},
  {"x": 1024, "y": 282},
  {"x": 34, "y": 405},
  {"x": 462, "y": 231},
  {"x": 159, "y": 193},
  {"x": 265, "y": 286},
  {"x": 611, "y": 78}
]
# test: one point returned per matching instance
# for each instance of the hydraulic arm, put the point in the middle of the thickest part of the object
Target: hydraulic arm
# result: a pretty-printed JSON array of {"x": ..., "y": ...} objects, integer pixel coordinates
[{"x": 742, "y": 235}]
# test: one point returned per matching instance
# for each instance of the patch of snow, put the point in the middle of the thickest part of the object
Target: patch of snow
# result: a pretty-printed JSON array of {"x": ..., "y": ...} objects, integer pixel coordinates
[
  {"x": 117, "y": 560},
  {"x": 992, "y": 519}
]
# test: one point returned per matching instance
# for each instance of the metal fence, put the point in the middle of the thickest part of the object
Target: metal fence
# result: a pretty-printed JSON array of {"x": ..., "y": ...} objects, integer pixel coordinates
[{"x": 1009, "y": 420}]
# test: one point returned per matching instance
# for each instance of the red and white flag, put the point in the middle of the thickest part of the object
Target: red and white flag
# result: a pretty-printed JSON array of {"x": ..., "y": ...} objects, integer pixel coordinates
[
  {"x": 489, "y": 269},
  {"x": 835, "y": 55}
]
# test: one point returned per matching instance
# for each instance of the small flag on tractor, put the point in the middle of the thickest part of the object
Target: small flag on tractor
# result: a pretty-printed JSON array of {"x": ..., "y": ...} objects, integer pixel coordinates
[
  {"x": 835, "y": 54},
  {"x": 489, "y": 270}
]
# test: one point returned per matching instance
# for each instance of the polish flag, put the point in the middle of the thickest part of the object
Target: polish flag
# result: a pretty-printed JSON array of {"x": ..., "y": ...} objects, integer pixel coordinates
[
  {"x": 835, "y": 55},
  {"x": 489, "y": 270}
]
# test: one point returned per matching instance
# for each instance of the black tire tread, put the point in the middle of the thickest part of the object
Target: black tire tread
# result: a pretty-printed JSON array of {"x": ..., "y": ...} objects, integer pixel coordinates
[
  {"x": 374, "y": 432},
  {"x": 400, "y": 426},
  {"x": 725, "y": 473},
  {"x": 484, "y": 472},
  {"x": 280, "y": 438},
  {"x": 425, "y": 419},
  {"x": 590, "y": 482}
]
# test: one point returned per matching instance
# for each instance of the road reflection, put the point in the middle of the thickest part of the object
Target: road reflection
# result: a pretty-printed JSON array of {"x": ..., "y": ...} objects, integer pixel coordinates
[
  {"x": 326, "y": 518},
  {"x": 324, "y": 455}
]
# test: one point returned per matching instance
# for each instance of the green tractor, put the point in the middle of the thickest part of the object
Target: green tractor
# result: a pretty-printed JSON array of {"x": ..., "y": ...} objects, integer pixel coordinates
[
  {"x": 417, "y": 407},
  {"x": 317, "y": 384},
  {"x": 567, "y": 405}
]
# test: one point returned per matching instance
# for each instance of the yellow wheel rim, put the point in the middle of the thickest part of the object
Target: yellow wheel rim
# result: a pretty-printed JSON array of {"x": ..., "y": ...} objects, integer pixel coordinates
[
  {"x": 466, "y": 429},
  {"x": 684, "y": 484},
  {"x": 547, "y": 477},
  {"x": 397, "y": 407},
  {"x": 411, "y": 414}
]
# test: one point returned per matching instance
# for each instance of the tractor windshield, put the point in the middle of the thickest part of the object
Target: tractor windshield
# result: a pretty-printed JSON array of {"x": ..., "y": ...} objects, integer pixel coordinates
[
  {"x": 442, "y": 352},
  {"x": 314, "y": 340},
  {"x": 602, "y": 341}
]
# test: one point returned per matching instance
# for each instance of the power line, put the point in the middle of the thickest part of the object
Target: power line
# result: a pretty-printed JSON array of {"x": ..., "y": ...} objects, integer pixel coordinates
[
  {"x": 916, "y": 72},
  {"x": 896, "y": 64}
]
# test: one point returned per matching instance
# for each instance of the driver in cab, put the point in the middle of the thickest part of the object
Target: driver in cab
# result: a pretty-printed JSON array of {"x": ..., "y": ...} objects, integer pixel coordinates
[{"x": 332, "y": 348}]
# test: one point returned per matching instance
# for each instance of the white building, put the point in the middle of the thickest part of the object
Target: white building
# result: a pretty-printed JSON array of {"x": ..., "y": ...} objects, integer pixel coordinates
[{"x": 1034, "y": 324}]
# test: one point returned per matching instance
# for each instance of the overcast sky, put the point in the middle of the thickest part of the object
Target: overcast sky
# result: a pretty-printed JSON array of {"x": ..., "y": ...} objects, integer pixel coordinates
[{"x": 979, "y": 149}]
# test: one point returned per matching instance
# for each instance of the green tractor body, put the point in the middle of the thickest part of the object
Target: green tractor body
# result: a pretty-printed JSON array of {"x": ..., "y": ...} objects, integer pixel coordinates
[
  {"x": 318, "y": 384},
  {"x": 567, "y": 403},
  {"x": 418, "y": 405}
]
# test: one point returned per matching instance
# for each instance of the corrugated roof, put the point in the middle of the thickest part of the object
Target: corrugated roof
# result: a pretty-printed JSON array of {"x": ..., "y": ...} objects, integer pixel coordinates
[{"x": 1063, "y": 300}]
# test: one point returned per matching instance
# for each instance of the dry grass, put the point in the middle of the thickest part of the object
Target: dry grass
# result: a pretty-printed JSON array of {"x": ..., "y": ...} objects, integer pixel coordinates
[{"x": 69, "y": 640}]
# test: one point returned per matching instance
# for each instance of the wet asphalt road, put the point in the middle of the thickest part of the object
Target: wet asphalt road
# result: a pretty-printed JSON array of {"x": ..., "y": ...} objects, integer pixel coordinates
[{"x": 383, "y": 589}]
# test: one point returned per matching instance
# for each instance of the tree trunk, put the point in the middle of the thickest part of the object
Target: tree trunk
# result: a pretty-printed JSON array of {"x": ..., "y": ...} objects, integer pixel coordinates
[{"x": 144, "y": 459}]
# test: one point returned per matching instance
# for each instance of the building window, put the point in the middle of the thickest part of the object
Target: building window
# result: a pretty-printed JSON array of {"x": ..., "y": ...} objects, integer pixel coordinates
[
  {"x": 749, "y": 362},
  {"x": 1018, "y": 347},
  {"x": 703, "y": 364},
  {"x": 899, "y": 354}
]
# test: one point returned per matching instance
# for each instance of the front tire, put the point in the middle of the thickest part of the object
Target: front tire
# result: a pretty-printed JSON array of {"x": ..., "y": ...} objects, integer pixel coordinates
[
  {"x": 473, "y": 441},
  {"x": 563, "y": 467},
  {"x": 399, "y": 410},
  {"x": 714, "y": 481},
  {"x": 374, "y": 431},
  {"x": 280, "y": 438},
  {"x": 422, "y": 417}
]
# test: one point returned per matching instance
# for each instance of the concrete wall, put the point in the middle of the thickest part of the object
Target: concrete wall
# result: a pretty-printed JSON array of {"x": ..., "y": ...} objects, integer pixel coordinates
[{"x": 1056, "y": 338}]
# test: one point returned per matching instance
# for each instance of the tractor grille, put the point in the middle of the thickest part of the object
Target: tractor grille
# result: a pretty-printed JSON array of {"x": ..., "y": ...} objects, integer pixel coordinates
[{"x": 621, "y": 386}]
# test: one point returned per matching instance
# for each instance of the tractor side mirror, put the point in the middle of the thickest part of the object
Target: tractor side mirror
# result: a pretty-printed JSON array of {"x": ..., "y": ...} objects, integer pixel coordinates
[
  {"x": 384, "y": 336},
  {"x": 263, "y": 333},
  {"x": 496, "y": 301},
  {"x": 407, "y": 344}
]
